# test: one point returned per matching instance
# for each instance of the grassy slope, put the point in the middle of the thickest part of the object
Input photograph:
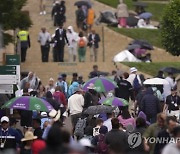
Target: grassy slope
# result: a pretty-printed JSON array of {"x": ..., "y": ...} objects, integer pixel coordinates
[
  {"x": 152, "y": 68},
  {"x": 152, "y": 36}
]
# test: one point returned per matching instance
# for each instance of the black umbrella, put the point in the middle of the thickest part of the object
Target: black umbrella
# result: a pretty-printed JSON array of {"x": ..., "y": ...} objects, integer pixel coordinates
[
  {"x": 97, "y": 109},
  {"x": 140, "y": 4},
  {"x": 143, "y": 43},
  {"x": 133, "y": 46},
  {"x": 170, "y": 70},
  {"x": 80, "y": 3}
]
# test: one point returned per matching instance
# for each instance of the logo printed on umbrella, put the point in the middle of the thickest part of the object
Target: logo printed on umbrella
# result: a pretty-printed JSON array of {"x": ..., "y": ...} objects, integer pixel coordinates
[
  {"x": 37, "y": 106},
  {"x": 98, "y": 88}
]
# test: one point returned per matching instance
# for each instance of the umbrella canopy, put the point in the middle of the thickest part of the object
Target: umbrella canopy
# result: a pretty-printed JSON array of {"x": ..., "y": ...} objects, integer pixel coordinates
[
  {"x": 143, "y": 43},
  {"x": 102, "y": 84},
  {"x": 140, "y": 4},
  {"x": 170, "y": 70},
  {"x": 114, "y": 101},
  {"x": 97, "y": 109},
  {"x": 133, "y": 46},
  {"x": 145, "y": 15},
  {"x": 125, "y": 56},
  {"x": 80, "y": 3},
  {"x": 156, "y": 81},
  {"x": 28, "y": 103}
]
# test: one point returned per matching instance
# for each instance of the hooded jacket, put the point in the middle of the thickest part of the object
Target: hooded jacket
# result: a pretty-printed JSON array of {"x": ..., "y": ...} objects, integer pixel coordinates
[
  {"x": 150, "y": 103},
  {"x": 72, "y": 37}
]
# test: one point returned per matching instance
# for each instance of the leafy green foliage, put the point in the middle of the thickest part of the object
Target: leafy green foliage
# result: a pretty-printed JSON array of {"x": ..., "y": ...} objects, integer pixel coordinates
[
  {"x": 170, "y": 30},
  {"x": 11, "y": 16}
]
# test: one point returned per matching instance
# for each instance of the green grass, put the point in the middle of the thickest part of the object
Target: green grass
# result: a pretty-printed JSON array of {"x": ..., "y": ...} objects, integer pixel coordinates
[
  {"x": 153, "y": 36},
  {"x": 152, "y": 68},
  {"x": 154, "y": 8}
]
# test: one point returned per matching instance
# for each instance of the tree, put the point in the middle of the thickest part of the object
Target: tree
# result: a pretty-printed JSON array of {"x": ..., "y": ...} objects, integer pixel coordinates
[
  {"x": 11, "y": 16},
  {"x": 170, "y": 30}
]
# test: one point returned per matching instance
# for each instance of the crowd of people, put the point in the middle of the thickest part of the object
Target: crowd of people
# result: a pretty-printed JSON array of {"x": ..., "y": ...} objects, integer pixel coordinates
[
  {"x": 77, "y": 43},
  {"x": 151, "y": 116}
]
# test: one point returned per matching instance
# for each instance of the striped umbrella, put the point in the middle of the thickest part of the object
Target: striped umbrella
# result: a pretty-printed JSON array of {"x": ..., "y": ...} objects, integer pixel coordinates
[
  {"x": 102, "y": 84},
  {"x": 114, "y": 101},
  {"x": 28, "y": 103}
]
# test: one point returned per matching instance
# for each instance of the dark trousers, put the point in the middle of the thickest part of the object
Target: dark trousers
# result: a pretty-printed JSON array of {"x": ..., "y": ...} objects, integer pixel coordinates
[
  {"x": 45, "y": 53},
  {"x": 59, "y": 54},
  {"x": 23, "y": 54}
]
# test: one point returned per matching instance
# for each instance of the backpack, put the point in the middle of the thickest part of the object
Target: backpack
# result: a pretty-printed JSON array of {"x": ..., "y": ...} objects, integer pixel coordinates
[
  {"x": 102, "y": 147},
  {"x": 80, "y": 16},
  {"x": 82, "y": 43},
  {"x": 79, "y": 128},
  {"x": 136, "y": 84}
]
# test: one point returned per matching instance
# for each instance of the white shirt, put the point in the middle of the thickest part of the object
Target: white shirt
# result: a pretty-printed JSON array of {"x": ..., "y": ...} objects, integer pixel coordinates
[
  {"x": 75, "y": 104},
  {"x": 108, "y": 124},
  {"x": 131, "y": 78},
  {"x": 44, "y": 37},
  {"x": 171, "y": 148}
]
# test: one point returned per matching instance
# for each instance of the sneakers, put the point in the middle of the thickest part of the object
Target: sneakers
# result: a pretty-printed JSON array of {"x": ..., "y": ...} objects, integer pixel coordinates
[{"x": 41, "y": 13}]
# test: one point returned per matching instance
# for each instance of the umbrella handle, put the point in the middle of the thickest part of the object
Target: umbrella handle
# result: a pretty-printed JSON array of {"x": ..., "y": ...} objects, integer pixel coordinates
[{"x": 104, "y": 94}]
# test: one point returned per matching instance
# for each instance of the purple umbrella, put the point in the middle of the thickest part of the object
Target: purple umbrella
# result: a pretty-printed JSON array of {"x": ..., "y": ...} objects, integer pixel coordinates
[{"x": 114, "y": 101}]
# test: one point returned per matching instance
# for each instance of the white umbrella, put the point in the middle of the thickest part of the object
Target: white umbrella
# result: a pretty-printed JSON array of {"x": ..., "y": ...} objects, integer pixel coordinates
[
  {"x": 156, "y": 81},
  {"x": 125, "y": 56}
]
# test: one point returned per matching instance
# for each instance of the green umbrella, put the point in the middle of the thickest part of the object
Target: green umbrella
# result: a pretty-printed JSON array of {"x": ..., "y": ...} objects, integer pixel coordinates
[{"x": 28, "y": 103}]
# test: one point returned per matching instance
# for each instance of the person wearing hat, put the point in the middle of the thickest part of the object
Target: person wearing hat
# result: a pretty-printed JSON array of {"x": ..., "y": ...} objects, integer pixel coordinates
[
  {"x": 9, "y": 137},
  {"x": 91, "y": 97},
  {"x": 62, "y": 84},
  {"x": 75, "y": 105},
  {"x": 172, "y": 106},
  {"x": 51, "y": 86},
  {"x": 28, "y": 140}
]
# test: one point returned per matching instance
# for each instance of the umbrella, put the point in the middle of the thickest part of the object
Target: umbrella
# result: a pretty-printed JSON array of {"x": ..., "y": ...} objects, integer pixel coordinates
[
  {"x": 102, "y": 84},
  {"x": 156, "y": 81},
  {"x": 28, "y": 103},
  {"x": 133, "y": 46},
  {"x": 143, "y": 43},
  {"x": 170, "y": 70},
  {"x": 145, "y": 15},
  {"x": 140, "y": 4},
  {"x": 97, "y": 109},
  {"x": 114, "y": 101},
  {"x": 80, "y": 3}
]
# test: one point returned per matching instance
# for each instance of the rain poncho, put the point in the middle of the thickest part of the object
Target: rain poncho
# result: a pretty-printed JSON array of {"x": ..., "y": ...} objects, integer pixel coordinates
[{"x": 72, "y": 37}]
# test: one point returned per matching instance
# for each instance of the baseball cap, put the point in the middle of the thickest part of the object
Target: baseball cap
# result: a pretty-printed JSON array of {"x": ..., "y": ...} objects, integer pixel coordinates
[
  {"x": 5, "y": 118},
  {"x": 133, "y": 69}
]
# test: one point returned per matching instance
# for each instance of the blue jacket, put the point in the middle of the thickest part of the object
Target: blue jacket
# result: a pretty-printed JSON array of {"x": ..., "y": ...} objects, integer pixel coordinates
[{"x": 150, "y": 103}]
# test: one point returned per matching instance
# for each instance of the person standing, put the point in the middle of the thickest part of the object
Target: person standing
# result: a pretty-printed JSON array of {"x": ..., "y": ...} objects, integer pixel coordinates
[
  {"x": 172, "y": 106},
  {"x": 60, "y": 38},
  {"x": 93, "y": 42},
  {"x": 23, "y": 36},
  {"x": 90, "y": 18},
  {"x": 44, "y": 39},
  {"x": 150, "y": 105},
  {"x": 82, "y": 43},
  {"x": 54, "y": 12},
  {"x": 42, "y": 7},
  {"x": 80, "y": 17},
  {"x": 72, "y": 38},
  {"x": 122, "y": 14}
]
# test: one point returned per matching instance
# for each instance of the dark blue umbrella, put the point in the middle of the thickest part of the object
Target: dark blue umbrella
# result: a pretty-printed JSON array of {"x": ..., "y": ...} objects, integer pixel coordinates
[
  {"x": 145, "y": 15},
  {"x": 143, "y": 43},
  {"x": 133, "y": 46},
  {"x": 170, "y": 70}
]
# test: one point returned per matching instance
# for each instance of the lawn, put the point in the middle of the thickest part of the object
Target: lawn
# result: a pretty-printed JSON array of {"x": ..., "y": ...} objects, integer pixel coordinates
[
  {"x": 152, "y": 68},
  {"x": 154, "y": 8},
  {"x": 153, "y": 36}
]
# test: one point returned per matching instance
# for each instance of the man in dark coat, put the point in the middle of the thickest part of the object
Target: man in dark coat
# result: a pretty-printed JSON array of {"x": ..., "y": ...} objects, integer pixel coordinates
[
  {"x": 93, "y": 42},
  {"x": 60, "y": 38},
  {"x": 150, "y": 105},
  {"x": 125, "y": 89}
]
